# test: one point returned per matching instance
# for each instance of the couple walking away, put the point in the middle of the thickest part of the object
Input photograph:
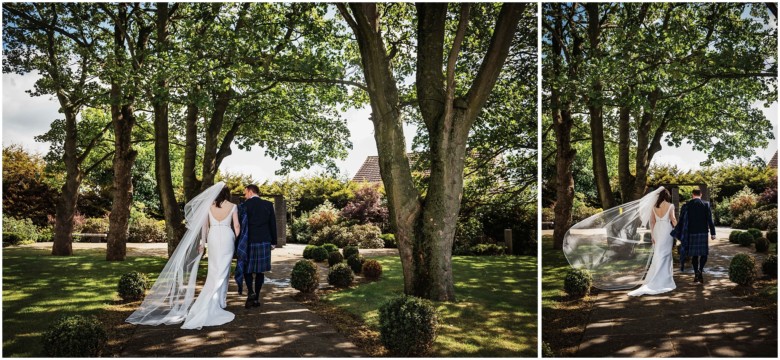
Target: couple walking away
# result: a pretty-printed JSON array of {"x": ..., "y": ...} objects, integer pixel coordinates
[
  {"x": 692, "y": 230},
  {"x": 215, "y": 223}
]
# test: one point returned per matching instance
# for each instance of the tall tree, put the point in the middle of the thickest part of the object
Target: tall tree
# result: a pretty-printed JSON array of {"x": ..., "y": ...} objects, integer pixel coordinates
[
  {"x": 59, "y": 42},
  {"x": 425, "y": 225},
  {"x": 127, "y": 55}
]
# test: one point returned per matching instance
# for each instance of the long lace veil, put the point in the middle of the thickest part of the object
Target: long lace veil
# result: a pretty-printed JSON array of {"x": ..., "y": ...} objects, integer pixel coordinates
[
  {"x": 614, "y": 245},
  {"x": 174, "y": 290}
]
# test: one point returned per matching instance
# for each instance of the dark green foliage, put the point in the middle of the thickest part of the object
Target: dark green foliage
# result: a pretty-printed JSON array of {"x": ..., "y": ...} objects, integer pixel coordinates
[
  {"x": 340, "y": 275},
  {"x": 771, "y": 235},
  {"x": 742, "y": 269},
  {"x": 355, "y": 262},
  {"x": 408, "y": 326},
  {"x": 745, "y": 239},
  {"x": 335, "y": 257},
  {"x": 319, "y": 254},
  {"x": 27, "y": 231},
  {"x": 487, "y": 249},
  {"x": 762, "y": 245},
  {"x": 133, "y": 286},
  {"x": 769, "y": 266},
  {"x": 330, "y": 247},
  {"x": 389, "y": 240},
  {"x": 74, "y": 336},
  {"x": 12, "y": 238},
  {"x": 350, "y": 250},
  {"x": 372, "y": 269},
  {"x": 577, "y": 282},
  {"x": 755, "y": 232},
  {"x": 305, "y": 276},
  {"x": 734, "y": 236},
  {"x": 307, "y": 251}
]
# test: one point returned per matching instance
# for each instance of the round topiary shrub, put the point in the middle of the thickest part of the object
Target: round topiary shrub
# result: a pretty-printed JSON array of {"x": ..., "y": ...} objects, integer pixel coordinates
[
  {"x": 372, "y": 269},
  {"x": 771, "y": 235},
  {"x": 319, "y": 254},
  {"x": 745, "y": 239},
  {"x": 330, "y": 247},
  {"x": 74, "y": 336},
  {"x": 305, "y": 276},
  {"x": 334, "y": 258},
  {"x": 577, "y": 282},
  {"x": 762, "y": 245},
  {"x": 350, "y": 250},
  {"x": 407, "y": 326},
  {"x": 307, "y": 251},
  {"x": 755, "y": 232},
  {"x": 734, "y": 236},
  {"x": 340, "y": 275},
  {"x": 769, "y": 266},
  {"x": 742, "y": 269},
  {"x": 355, "y": 262},
  {"x": 133, "y": 286}
]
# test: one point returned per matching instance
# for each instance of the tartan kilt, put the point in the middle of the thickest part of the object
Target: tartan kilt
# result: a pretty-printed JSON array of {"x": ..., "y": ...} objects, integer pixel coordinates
[
  {"x": 259, "y": 258},
  {"x": 698, "y": 244}
]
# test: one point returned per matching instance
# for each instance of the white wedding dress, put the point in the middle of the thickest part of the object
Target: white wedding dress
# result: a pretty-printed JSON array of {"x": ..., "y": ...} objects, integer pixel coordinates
[
  {"x": 208, "y": 309},
  {"x": 659, "y": 277}
]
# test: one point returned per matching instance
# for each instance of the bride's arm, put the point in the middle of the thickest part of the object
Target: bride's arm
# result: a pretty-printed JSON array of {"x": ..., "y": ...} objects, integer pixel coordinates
[
  {"x": 204, "y": 231},
  {"x": 652, "y": 226},
  {"x": 672, "y": 218},
  {"x": 236, "y": 224}
]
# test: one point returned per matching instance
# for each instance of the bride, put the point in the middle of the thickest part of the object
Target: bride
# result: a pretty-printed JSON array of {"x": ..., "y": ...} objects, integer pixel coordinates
[
  {"x": 213, "y": 220},
  {"x": 662, "y": 220}
]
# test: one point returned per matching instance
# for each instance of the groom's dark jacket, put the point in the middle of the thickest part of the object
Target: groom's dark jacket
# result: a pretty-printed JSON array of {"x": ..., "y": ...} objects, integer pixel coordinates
[
  {"x": 699, "y": 217},
  {"x": 261, "y": 221}
]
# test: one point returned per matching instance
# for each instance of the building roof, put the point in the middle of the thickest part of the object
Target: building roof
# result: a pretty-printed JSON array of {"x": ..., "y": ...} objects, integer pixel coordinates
[
  {"x": 369, "y": 171},
  {"x": 773, "y": 162}
]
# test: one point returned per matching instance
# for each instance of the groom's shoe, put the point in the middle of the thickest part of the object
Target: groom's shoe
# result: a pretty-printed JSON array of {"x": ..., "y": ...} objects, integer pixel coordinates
[
  {"x": 696, "y": 276},
  {"x": 249, "y": 301},
  {"x": 701, "y": 277},
  {"x": 256, "y": 301}
]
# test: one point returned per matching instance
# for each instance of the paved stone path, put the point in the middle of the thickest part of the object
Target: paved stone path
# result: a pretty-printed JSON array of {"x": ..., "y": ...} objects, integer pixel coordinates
[
  {"x": 281, "y": 327},
  {"x": 692, "y": 321}
]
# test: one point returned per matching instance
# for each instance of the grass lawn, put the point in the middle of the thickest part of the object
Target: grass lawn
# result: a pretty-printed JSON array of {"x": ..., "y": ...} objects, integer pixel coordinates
[
  {"x": 495, "y": 314},
  {"x": 39, "y": 288}
]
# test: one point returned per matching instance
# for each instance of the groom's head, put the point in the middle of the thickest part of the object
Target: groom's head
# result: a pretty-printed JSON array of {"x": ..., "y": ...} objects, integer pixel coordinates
[
  {"x": 251, "y": 190},
  {"x": 696, "y": 194}
]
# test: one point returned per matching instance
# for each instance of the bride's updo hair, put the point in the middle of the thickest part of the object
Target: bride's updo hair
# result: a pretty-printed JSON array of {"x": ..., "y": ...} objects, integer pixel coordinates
[
  {"x": 224, "y": 194},
  {"x": 663, "y": 196}
]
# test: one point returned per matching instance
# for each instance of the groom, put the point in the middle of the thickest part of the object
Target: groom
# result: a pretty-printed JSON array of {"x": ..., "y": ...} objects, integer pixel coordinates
[
  {"x": 695, "y": 221},
  {"x": 255, "y": 242}
]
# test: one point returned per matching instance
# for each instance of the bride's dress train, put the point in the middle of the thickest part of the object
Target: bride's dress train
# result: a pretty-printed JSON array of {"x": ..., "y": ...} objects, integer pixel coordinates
[
  {"x": 208, "y": 309},
  {"x": 659, "y": 277}
]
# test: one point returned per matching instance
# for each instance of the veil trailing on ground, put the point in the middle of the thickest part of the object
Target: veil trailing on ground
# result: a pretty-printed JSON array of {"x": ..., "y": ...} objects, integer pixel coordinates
[
  {"x": 174, "y": 290},
  {"x": 615, "y": 245}
]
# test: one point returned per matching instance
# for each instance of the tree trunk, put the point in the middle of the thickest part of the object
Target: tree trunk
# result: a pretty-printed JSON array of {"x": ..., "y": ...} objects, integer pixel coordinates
[
  {"x": 123, "y": 119},
  {"x": 596, "y": 111},
  {"x": 191, "y": 183},
  {"x": 562, "y": 125},
  {"x": 625, "y": 177},
  {"x": 213, "y": 129},
  {"x": 174, "y": 221},
  {"x": 425, "y": 229},
  {"x": 643, "y": 145},
  {"x": 67, "y": 202}
]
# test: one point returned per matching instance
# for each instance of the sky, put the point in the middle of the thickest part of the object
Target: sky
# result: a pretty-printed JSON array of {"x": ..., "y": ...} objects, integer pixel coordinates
[{"x": 24, "y": 117}]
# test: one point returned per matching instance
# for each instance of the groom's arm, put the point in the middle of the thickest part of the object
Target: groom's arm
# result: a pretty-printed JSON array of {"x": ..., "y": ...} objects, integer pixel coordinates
[
  {"x": 710, "y": 223},
  {"x": 272, "y": 221}
]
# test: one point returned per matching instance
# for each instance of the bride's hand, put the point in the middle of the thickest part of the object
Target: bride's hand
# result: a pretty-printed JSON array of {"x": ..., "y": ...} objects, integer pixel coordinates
[
  {"x": 200, "y": 249},
  {"x": 653, "y": 240}
]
